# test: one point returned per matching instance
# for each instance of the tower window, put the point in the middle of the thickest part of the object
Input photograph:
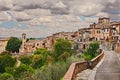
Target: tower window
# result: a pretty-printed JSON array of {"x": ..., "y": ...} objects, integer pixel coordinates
[{"x": 24, "y": 37}]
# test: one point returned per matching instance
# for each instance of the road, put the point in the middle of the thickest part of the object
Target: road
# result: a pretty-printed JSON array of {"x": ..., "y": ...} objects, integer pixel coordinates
[{"x": 110, "y": 68}]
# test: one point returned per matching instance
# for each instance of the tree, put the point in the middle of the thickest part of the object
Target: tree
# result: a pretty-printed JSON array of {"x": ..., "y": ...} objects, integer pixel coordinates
[
  {"x": 41, "y": 51},
  {"x": 5, "y": 61},
  {"x": 37, "y": 61},
  {"x": 91, "y": 52},
  {"x": 64, "y": 56},
  {"x": 62, "y": 46},
  {"x": 13, "y": 44},
  {"x": 19, "y": 71},
  {"x": 30, "y": 39},
  {"x": 44, "y": 53},
  {"x": 26, "y": 59},
  {"x": 6, "y": 76}
]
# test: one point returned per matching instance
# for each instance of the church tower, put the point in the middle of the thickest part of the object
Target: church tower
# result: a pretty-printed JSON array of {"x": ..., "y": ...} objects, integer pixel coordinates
[
  {"x": 23, "y": 42},
  {"x": 23, "y": 39}
]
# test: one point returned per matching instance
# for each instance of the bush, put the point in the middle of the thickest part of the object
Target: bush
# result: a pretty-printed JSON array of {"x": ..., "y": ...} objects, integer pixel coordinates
[
  {"x": 54, "y": 71},
  {"x": 5, "y": 61},
  {"x": 37, "y": 61},
  {"x": 9, "y": 70},
  {"x": 6, "y": 76},
  {"x": 62, "y": 46},
  {"x": 41, "y": 51},
  {"x": 26, "y": 59},
  {"x": 91, "y": 52},
  {"x": 64, "y": 56},
  {"x": 19, "y": 71},
  {"x": 5, "y": 52}
]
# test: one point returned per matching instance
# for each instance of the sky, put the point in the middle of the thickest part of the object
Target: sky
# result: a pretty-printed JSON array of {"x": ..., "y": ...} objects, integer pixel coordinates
[{"x": 41, "y": 18}]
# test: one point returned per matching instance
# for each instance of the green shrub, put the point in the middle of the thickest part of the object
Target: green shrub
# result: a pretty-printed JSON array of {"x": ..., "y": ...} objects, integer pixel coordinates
[
  {"x": 6, "y": 76},
  {"x": 37, "y": 61},
  {"x": 9, "y": 70},
  {"x": 54, "y": 71},
  {"x": 91, "y": 51},
  {"x": 19, "y": 71},
  {"x": 5, "y": 61},
  {"x": 26, "y": 59},
  {"x": 62, "y": 46}
]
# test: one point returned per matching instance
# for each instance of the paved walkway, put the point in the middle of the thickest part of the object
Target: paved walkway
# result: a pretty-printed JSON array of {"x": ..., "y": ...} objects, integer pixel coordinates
[
  {"x": 18, "y": 63},
  {"x": 110, "y": 68}
]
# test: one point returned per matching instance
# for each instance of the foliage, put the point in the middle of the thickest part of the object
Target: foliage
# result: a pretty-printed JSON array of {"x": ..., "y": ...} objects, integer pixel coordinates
[
  {"x": 50, "y": 72},
  {"x": 54, "y": 71},
  {"x": 26, "y": 76},
  {"x": 19, "y": 71},
  {"x": 62, "y": 46},
  {"x": 64, "y": 56},
  {"x": 10, "y": 70},
  {"x": 91, "y": 52},
  {"x": 5, "y": 61},
  {"x": 44, "y": 64},
  {"x": 30, "y": 39},
  {"x": 50, "y": 59},
  {"x": 37, "y": 61},
  {"x": 13, "y": 44},
  {"x": 86, "y": 56},
  {"x": 42, "y": 56},
  {"x": 6, "y": 76},
  {"x": 26, "y": 59},
  {"x": 5, "y": 52}
]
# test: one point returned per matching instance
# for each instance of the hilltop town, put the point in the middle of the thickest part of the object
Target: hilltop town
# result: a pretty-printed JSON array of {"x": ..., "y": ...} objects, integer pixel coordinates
[{"x": 104, "y": 31}]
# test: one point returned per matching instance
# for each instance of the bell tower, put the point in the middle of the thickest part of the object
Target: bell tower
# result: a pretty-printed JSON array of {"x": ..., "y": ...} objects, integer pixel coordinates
[
  {"x": 23, "y": 39},
  {"x": 23, "y": 42}
]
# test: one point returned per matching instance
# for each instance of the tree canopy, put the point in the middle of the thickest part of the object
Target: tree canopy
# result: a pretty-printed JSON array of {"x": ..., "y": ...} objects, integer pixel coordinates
[
  {"x": 13, "y": 44},
  {"x": 5, "y": 61},
  {"x": 91, "y": 52},
  {"x": 30, "y": 39},
  {"x": 62, "y": 46}
]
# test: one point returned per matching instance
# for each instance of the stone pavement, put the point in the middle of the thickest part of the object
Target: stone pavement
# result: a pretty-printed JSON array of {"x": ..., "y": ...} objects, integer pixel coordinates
[
  {"x": 83, "y": 75},
  {"x": 107, "y": 69},
  {"x": 88, "y": 74},
  {"x": 110, "y": 68}
]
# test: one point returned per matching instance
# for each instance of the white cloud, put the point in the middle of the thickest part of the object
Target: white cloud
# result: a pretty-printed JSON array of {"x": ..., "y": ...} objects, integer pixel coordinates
[
  {"x": 38, "y": 12},
  {"x": 45, "y": 17},
  {"x": 60, "y": 4},
  {"x": 4, "y": 16},
  {"x": 6, "y": 4},
  {"x": 20, "y": 16},
  {"x": 91, "y": 19},
  {"x": 102, "y": 14},
  {"x": 86, "y": 8}
]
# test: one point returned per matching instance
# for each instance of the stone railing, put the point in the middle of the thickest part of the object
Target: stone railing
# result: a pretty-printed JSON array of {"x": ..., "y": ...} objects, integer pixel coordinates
[
  {"x": 97, "y": 59},
  {"x": 77, "y": 67}
]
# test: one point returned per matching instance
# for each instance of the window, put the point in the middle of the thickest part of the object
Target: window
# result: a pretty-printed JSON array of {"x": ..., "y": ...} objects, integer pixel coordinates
[
  {"x": 24, "y": 37},
  {"x": 37, "y": 44}
]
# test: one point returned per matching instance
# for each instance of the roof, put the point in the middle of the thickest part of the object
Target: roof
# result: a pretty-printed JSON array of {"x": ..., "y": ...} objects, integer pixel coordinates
[
  {"x": 115, "y": 23},
  {"x": 4, "y": 39}
]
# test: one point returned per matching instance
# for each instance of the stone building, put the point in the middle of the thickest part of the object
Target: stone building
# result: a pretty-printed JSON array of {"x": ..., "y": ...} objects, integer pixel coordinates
[
  {"x": 104, "y": 30},
  {"x": 63, "y": 35},
  {"x": 3, "y": 43},
  {"x": 108, "y": 31},
  {"x": 32, "y": 45}
]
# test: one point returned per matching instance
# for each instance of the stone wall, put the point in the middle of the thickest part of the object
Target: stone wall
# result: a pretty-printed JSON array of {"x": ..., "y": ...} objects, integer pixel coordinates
[{"x": 77, "y": 67}]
